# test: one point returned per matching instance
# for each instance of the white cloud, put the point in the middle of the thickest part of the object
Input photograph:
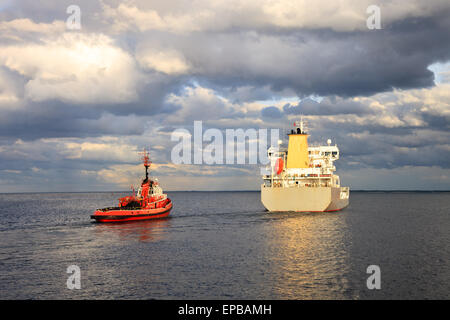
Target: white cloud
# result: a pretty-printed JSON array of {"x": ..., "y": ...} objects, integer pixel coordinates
[
  {"x": 74, "y": 67},
  {"x": 130, "y": 16},
  {"x": 167, "y": 61},
  {"x": 18, "y": 29},
  {"x": 205, "y": 15},
  {"x": 105, "y": 150},
  {"x": 27, "y": 25}
]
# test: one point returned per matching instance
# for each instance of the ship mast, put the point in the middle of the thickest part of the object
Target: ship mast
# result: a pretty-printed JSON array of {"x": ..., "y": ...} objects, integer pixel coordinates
[
  {"x": 146, "y": 160},
  {"x": 301, "y": 126}
]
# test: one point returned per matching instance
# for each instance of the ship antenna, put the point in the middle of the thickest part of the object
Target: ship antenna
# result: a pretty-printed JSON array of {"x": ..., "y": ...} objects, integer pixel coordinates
[
  {"x": 301, "y": 126},
  {"x": 146, "y": 160},
  {"x": 304, "y": 126}
]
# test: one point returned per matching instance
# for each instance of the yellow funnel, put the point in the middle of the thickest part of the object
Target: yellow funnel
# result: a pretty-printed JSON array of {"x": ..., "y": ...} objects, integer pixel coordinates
[{"x": 297, "y": 156}]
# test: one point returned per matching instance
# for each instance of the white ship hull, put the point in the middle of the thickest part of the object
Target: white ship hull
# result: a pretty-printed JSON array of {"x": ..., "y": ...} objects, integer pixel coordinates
[{"x": 304, "y": 199}]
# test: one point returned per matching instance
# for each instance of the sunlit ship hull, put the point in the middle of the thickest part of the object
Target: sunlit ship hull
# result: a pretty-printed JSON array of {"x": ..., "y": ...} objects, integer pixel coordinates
[
  {"x": 121, "y": 214},
  {"x": 304, "y": 199}
]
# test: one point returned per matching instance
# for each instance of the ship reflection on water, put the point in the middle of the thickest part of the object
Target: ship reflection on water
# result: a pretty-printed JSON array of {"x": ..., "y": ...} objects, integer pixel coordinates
[
  {"x": 143, "y": 231},
  {"x": 309, "y": 254}
]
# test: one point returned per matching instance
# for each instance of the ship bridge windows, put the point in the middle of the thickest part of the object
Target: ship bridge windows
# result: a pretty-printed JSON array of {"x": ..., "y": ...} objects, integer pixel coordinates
[{"x": 330, "y": 153}]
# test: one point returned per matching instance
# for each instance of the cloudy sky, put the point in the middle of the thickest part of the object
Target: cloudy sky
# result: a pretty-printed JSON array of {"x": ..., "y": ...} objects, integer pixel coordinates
[{"x": 76, "y": 105}]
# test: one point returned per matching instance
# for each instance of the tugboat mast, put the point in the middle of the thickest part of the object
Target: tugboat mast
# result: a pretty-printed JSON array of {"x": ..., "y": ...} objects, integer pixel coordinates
[{"x": 146, "y": 159}]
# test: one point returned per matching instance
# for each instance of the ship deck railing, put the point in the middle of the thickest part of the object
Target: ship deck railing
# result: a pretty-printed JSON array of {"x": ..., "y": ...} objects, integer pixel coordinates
[
  {"x": 129, "y": 208},
  {"x": 300, "y": 186},
  {"x": 328, "y": 176}
]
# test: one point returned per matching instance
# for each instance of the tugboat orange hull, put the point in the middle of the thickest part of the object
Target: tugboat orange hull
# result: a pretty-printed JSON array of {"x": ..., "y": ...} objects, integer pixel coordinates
[{"x": 122, "y": 214}]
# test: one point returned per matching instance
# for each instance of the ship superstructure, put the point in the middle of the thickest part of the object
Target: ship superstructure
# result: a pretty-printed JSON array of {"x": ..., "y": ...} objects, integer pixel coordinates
[{"x": 301, "y": 177}]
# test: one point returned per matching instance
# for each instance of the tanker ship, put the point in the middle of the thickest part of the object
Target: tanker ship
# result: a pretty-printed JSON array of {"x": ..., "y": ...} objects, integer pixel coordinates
[
  {"x": 301, "y": 178},
  {"x": 149, "y": 203}
]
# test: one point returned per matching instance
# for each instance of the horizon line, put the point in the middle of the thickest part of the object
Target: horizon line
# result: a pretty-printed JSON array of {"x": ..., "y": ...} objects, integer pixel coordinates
[{"x": 356, "y": 190}]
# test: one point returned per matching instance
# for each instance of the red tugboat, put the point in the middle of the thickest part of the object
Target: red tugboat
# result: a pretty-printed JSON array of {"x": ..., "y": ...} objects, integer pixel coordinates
[{"x": 149, "y": 203}]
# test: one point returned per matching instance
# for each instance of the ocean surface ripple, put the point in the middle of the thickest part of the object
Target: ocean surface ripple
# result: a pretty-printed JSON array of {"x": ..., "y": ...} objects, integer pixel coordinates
[{"x": 224, "y": 245}]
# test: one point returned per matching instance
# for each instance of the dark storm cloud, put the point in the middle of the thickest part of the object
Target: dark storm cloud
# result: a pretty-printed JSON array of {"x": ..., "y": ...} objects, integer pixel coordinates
[
  {"x": 328, "y": 106},
  {"x": 391, "y": 158},
  {"x": 374, "y": 145},
  {"x": 309, "y": 61},
  {"x": 61, "y": 119},
  {"x": 440, "y": 122},
  {"x": 166, "y": 129},
  {"x": 323, "y": 62},
  {"x": 271, "y": 112}
]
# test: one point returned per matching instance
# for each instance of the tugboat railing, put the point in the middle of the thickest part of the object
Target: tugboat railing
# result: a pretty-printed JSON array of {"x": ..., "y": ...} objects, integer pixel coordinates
[{"x": 131, "y": 208}]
